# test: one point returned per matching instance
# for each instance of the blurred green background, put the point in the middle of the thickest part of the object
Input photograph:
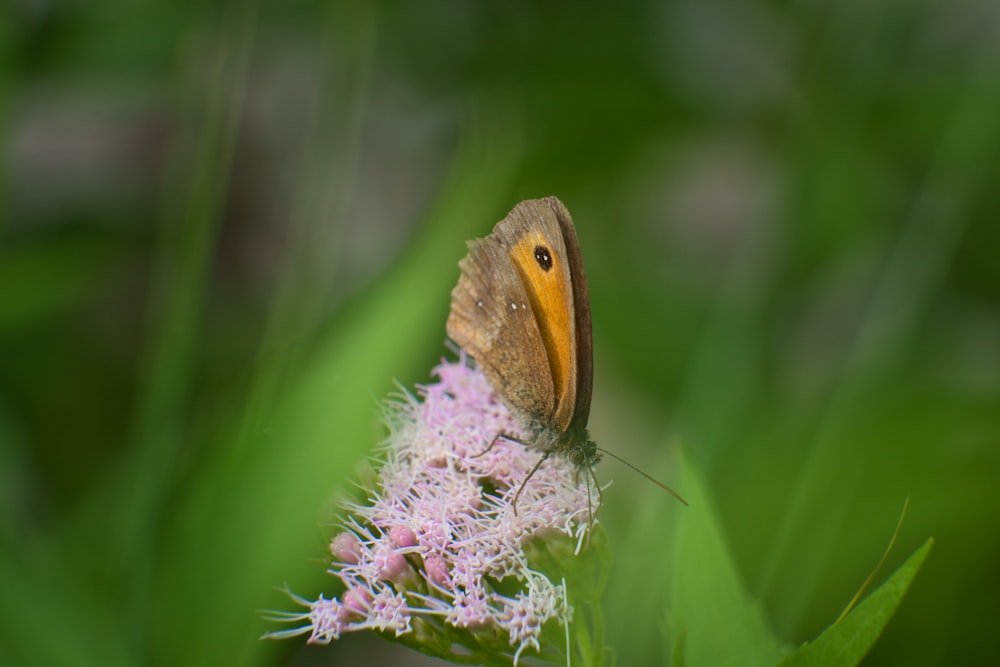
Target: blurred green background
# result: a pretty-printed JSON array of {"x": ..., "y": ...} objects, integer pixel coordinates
[{"x": 228, "y": 227}]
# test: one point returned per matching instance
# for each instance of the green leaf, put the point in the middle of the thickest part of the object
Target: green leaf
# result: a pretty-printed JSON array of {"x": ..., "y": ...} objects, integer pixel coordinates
[
  {"x": 847, "y": 641},
  {"x": 585, "y": 575},
  {"x": 711, "y": 620}
]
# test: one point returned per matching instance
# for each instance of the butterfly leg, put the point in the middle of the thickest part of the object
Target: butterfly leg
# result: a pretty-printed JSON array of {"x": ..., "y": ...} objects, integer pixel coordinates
[
  {"x": 487, "y": 450},
  {"x": 597, "y": 485},
  {"x": 530, "y": 474},
  {"x": 590, "y": 507},
  {"x": 498, "y": 436}
]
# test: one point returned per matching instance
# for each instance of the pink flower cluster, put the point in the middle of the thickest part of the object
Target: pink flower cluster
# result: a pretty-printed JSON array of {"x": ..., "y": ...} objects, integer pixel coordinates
[{"x": 426, "y": 551}]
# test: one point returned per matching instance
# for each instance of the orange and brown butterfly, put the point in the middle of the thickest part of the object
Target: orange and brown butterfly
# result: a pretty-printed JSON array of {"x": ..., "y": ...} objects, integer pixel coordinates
[{"x": 521, "y": 310}]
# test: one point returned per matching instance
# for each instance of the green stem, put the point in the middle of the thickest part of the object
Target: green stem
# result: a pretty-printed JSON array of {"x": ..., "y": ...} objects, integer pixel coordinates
[
  {"x": 589, "y": 633},
  {"x": 597, "y": 621}
]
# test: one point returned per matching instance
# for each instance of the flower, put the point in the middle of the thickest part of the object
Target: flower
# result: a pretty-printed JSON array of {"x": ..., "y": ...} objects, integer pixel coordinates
[{"x": 436, "y": 555}]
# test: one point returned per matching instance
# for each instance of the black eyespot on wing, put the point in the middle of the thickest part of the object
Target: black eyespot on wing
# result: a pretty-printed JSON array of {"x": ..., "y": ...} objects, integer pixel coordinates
[{"x": 543, "y": 257}]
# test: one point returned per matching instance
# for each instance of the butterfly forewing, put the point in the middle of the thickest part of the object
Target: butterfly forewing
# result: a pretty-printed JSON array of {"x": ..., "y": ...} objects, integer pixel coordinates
[
  {"x": 512, "y": 310},
  {"x": 538, "y": 252}
]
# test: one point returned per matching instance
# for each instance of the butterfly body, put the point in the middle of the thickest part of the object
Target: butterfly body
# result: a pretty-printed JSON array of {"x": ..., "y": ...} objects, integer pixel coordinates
[{"x": 521, "y": 309}]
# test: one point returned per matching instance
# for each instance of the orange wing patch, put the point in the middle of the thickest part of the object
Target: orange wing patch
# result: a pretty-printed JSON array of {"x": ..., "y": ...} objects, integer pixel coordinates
[{"x": 551, "y": 297}]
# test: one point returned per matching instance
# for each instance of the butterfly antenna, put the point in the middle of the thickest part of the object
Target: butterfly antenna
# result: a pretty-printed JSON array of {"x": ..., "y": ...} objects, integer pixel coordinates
[{"x": 646, "y": 475}]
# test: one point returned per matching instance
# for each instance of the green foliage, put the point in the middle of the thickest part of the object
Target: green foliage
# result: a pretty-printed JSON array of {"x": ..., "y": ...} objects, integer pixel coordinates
[
  {"x": 708, "y": 602},
  {"x": 707, "y": 599},
  {"x": 586, "y": 576},
  {"x": 848, "y": 640}
]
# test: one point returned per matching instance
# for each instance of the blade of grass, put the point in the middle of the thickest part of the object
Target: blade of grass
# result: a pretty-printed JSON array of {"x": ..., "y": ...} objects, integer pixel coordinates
[
  {"x": 925, "y": 245},
  {"x": 710, "y": 614},
  {"x": 260, "y": 496},
  {"x": 848, "y": 640}
]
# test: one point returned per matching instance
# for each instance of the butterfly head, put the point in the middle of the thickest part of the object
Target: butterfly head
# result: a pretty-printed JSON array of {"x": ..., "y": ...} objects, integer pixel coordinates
[{"x": 573, "y": 444}]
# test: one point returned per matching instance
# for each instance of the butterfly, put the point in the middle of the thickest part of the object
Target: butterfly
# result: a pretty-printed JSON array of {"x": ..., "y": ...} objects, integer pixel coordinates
[{"x": 521, "y": 309}]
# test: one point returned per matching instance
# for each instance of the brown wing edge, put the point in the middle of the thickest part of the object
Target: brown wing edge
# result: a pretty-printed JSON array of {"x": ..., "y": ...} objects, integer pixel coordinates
[{"x": 584, "y": 328}]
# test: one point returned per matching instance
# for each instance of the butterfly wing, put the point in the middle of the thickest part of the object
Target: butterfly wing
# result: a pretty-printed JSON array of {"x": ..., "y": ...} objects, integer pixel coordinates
[{"x": 513, "y": 311}]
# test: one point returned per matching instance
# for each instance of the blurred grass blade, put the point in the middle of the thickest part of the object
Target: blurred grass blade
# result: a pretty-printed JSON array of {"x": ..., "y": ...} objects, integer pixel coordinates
[
  {"x": 260, "y": 492},
  {"x": 846, "y": 642},
  {"x": 710, "y": 614},
  {"x": 926, "y": 245},
  {"x": 187, "y": 238},
  {"x": 41, "y": 281},
  {"x": 885, "y": 555},
  {"x": 31, "y": 609}
]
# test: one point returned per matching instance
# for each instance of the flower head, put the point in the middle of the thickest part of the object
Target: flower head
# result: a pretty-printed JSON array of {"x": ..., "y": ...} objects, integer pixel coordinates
[{"x": 436, "y": 555}]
